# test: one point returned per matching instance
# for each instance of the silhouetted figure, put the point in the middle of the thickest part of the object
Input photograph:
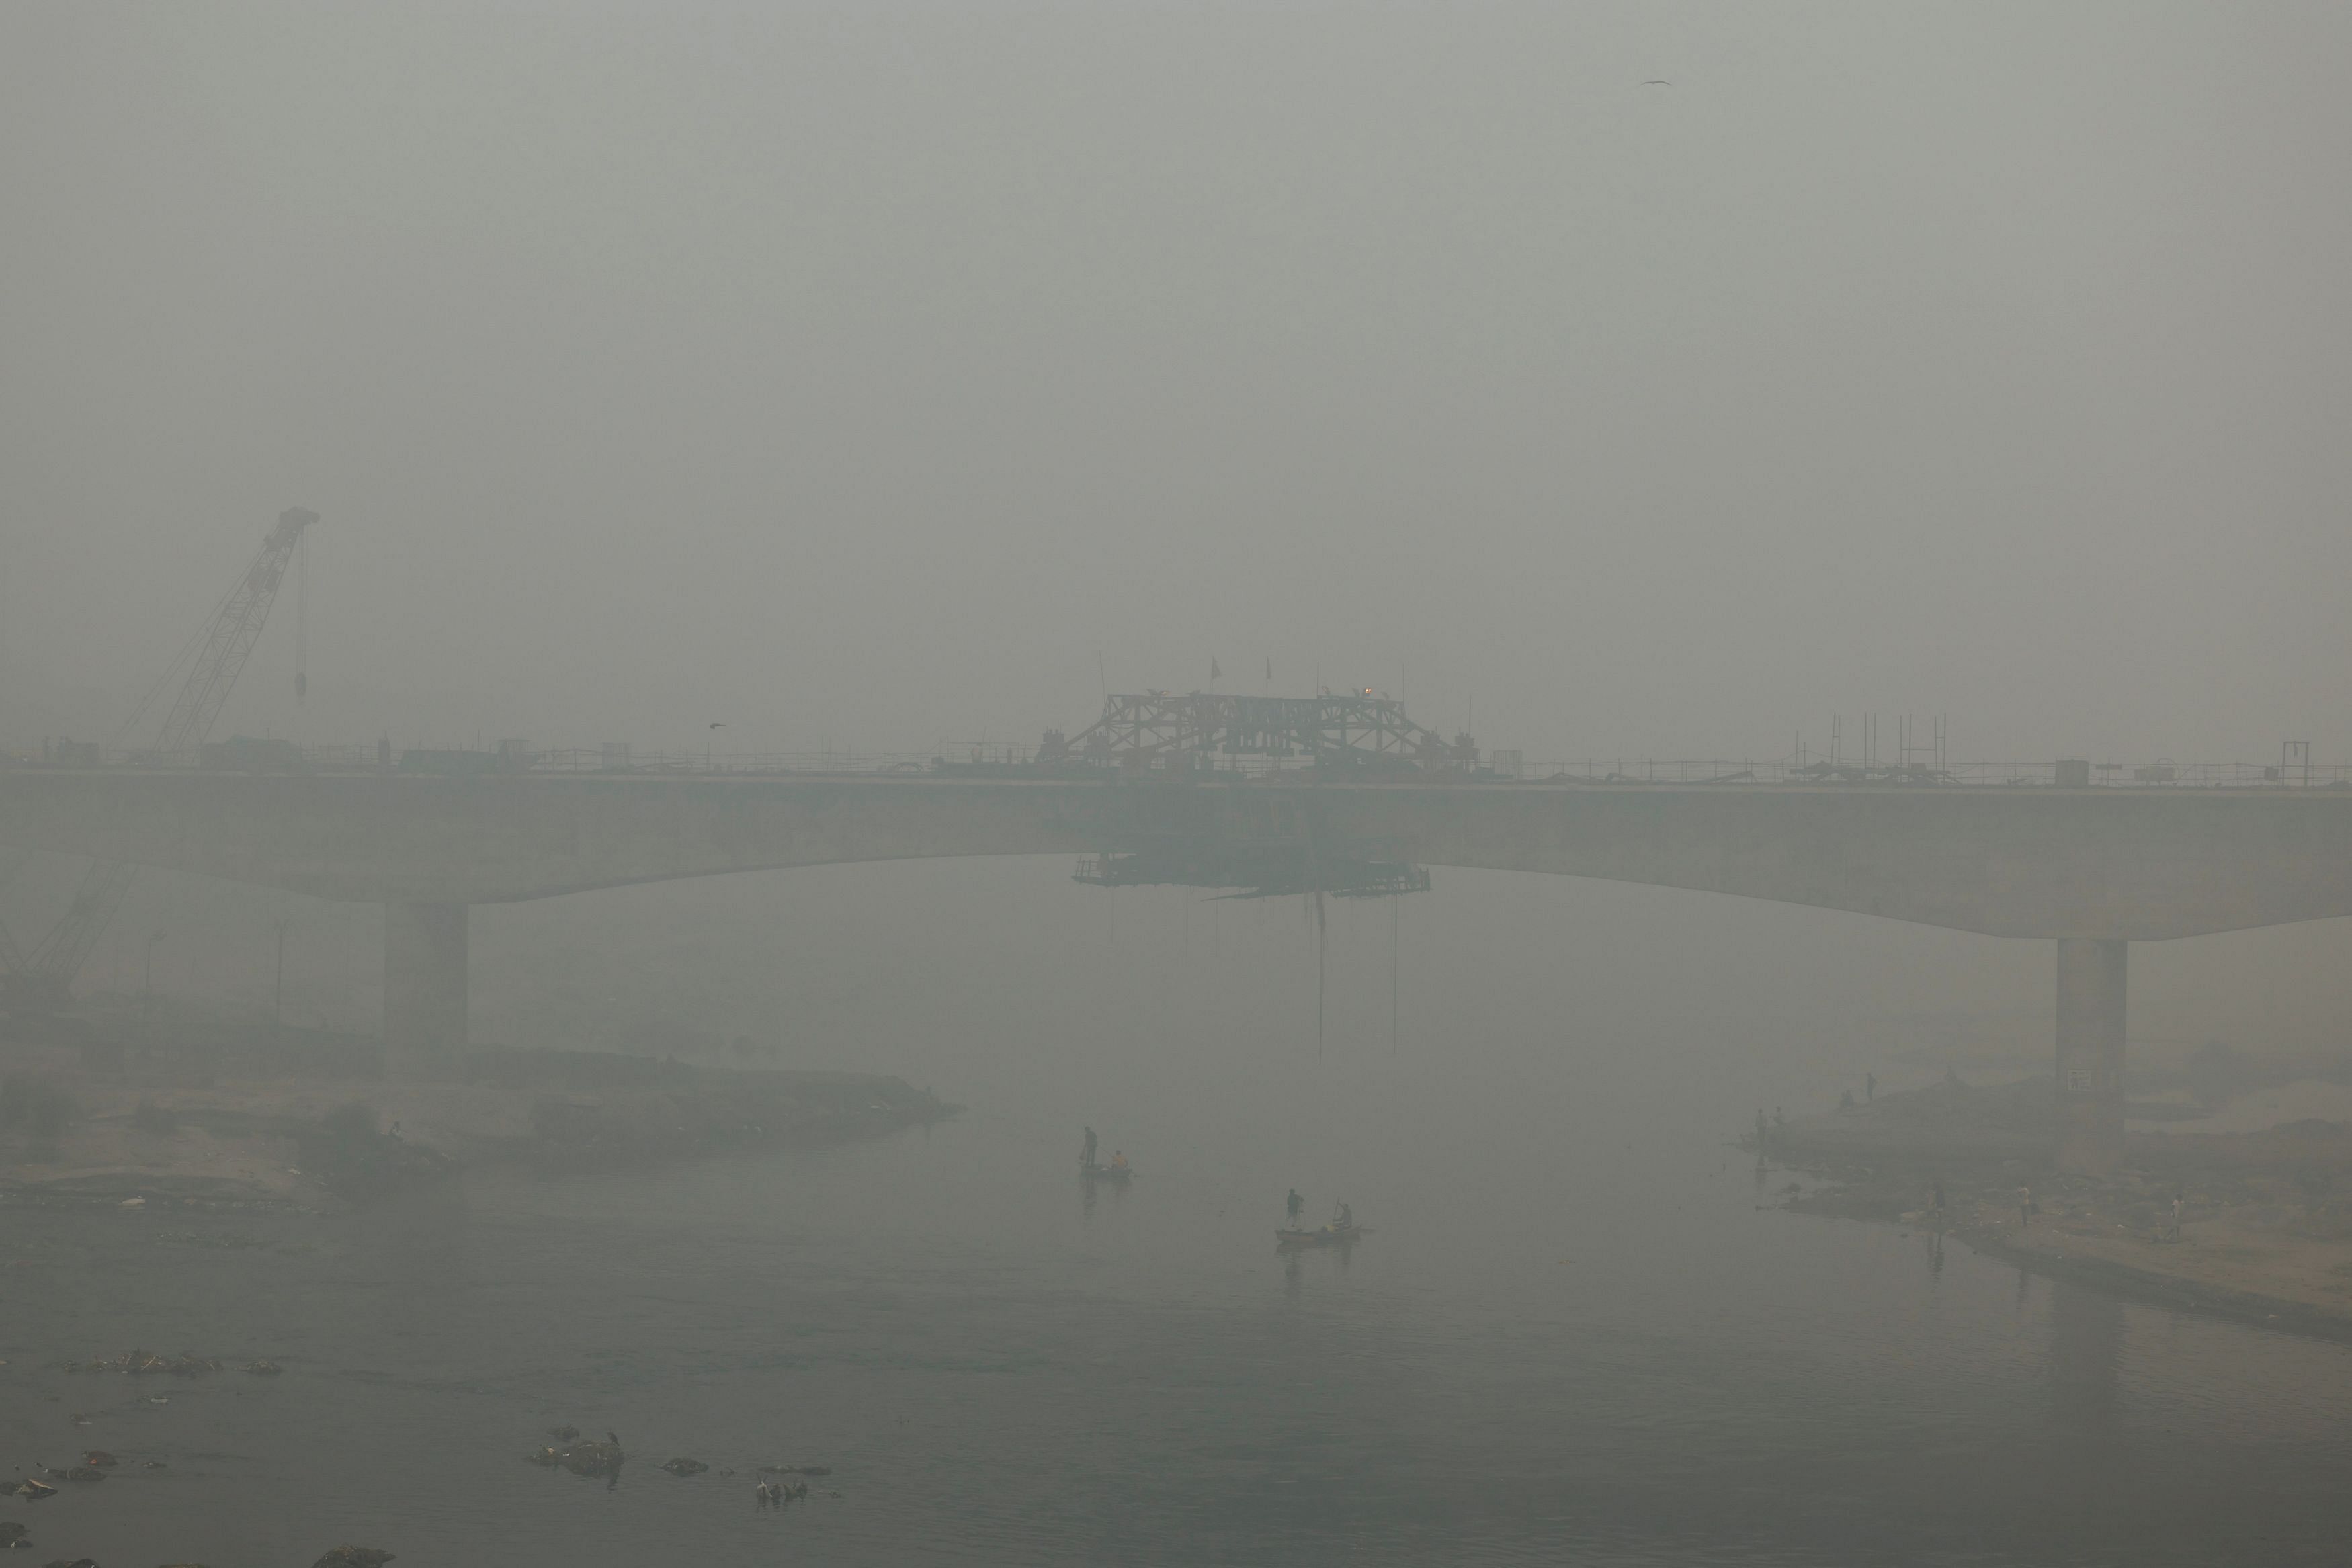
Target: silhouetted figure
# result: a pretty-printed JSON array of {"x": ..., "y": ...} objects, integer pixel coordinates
[
  {"x": 1293, "y": 1206},
  {"x": 1087, "y": 1154},
  {"x": 2176, "y": 1214},
  {"x": 2024, "y": 1205}
]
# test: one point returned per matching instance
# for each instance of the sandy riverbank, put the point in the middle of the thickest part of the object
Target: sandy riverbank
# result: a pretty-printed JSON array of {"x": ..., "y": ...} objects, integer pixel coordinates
[
  {"x": 2265, "y": 1225},
  {"x": 70, "y": 1133}
]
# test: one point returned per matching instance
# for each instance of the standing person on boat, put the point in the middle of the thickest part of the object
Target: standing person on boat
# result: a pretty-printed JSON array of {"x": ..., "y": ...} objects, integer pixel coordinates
[
  {"x": 1347, "y": 1220},
  {"x": 1087, "y": 1154},
  {"x": 1292, "y": 1205}
]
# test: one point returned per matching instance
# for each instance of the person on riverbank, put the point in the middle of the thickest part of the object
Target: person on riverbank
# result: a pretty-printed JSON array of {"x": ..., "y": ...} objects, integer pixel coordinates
[
  {"x": 1935, "y": 1201},
  {"x": 2024, "y": 1205},
  {"x": 1086, "y": 1154},
  {"x": 2174, "y": 1235}
]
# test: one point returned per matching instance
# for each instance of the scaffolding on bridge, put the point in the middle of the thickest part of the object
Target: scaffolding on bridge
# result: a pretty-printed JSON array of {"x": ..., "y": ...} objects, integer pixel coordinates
[{"x": 1350, "y": 732}]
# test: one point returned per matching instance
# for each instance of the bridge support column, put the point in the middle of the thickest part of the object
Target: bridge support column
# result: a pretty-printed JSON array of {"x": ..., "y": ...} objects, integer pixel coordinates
[
  {"x": 423, "y": 986},
  {"x": 2090, "y": 1100}
]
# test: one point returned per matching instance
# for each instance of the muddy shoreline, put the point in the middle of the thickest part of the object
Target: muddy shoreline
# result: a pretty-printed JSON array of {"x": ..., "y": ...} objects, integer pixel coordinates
[
  {"x": 113, "y": 1134},
  {"x": 2249, "y": 1228}
]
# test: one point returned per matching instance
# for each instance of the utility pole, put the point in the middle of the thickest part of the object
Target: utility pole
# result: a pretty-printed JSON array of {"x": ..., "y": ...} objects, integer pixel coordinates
[
  {"x": 278, "y": 1002},
  {"x": 147, "y": 980}
]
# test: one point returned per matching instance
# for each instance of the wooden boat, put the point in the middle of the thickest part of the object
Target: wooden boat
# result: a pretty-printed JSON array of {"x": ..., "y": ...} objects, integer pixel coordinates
[
  {"x": 1118, "y": 1175},
  {"x": 1322, "y": 1236}
]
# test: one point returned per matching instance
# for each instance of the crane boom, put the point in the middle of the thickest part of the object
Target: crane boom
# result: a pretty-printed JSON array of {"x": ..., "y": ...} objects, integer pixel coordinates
[
  {"x": 67, "y": 947},
  {"x": 46, "y": 979},
  {"x": 229, "y": 640}
]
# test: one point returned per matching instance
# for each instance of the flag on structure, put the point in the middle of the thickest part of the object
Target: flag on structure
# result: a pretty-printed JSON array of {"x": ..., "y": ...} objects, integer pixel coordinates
[{"x": 1214, "y": 671}]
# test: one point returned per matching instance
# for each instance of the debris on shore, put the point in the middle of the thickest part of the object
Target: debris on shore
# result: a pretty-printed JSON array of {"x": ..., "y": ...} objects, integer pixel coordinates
[
  {"x": 353, "y": 1557},
  {"x": 585, "y": 1458},
  {"x": 138, "y": 1363},
  {"x": 146, "y": 1132},
  {"x": 2251, "y": 1225}
]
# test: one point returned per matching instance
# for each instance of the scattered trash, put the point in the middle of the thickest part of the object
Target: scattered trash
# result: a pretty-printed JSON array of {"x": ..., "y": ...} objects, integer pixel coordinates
[
  {"x": 99, "y": 1457},
  {"x": 154, "y": 1465},
  {"x": 563, "y": 1434},
  {"x": 353, "y": 1557},
  {"x": 133, "y": 1203},
  {"x": 36, "y": 1490},
  {"x": 264, "y": 1368},
  {"x": 138, "y": 1362},
  {"x": 685, "y": 1467},
  {"x": 582, "y": 1459}
]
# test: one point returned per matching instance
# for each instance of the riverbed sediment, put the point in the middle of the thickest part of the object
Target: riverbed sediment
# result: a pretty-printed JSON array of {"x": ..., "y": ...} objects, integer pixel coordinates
[
  {"x": 71, "y": 1132},
  {"x": 2252, "y": 1227}
]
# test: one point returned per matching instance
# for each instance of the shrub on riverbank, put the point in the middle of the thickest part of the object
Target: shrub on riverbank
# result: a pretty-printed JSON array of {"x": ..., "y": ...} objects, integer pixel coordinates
[{"x": 36, "y": 1107}]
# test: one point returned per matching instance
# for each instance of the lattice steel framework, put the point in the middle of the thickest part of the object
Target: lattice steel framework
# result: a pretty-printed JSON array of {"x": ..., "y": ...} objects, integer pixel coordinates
[{"x": 1357, "y": 729}]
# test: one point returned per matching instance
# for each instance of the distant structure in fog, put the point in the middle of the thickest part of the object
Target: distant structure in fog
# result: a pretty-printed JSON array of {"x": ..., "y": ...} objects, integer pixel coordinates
[{"x": 1354, "y": 731}]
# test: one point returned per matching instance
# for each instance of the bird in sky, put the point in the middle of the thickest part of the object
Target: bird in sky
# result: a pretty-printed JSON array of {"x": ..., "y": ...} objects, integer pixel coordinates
[
  {"x": 1657, "y": 81},
  {"x": 716, "y": 725}
]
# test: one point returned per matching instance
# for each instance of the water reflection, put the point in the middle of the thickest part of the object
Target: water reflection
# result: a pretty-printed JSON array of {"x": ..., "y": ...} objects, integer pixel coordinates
[{"x": 2086, "y": 1336}]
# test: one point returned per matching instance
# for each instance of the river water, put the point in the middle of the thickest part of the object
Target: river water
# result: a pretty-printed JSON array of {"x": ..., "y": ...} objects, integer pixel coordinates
[{"x": 1572, "y": 1336}]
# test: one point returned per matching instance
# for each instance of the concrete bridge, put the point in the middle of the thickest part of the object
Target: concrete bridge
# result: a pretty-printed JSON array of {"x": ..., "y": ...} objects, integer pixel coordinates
[{"x": 2091, "y": 869}]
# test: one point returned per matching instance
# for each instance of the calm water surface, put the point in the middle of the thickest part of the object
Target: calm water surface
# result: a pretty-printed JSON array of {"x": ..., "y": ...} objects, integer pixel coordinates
[{"x": 1573, "y": 1337}]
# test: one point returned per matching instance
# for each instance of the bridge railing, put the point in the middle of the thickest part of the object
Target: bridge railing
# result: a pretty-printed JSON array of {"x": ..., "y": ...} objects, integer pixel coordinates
[
  {"x": 968, "y": 759},
  {"x": 1973, "y": 775}
]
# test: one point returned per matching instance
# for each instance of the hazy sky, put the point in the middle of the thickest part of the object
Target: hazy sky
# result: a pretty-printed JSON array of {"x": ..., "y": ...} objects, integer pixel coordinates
[{"x": 863, "y": 375}]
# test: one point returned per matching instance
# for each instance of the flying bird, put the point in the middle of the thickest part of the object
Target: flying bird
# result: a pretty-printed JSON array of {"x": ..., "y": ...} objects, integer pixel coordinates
[
  {"x": 1657, "y": 81},
  {"x": 716, "y": 725}
]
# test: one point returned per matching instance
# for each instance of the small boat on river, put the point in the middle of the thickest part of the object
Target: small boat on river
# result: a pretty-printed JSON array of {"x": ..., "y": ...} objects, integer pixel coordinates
[
  {"x": 1115, "y": 1174},
  {"x": 1322, "y": 1236}
]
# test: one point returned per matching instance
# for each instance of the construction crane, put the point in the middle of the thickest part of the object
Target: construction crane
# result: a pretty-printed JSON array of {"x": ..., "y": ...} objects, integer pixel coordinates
[{"x": 44, "y": 981}]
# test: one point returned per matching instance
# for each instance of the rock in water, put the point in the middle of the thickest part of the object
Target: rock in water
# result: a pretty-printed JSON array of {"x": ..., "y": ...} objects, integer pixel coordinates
[
  {"x": 582, "y": 1459},
  {"x": 353, "y": 1557},
  {"x": 685, "y": 1467}
]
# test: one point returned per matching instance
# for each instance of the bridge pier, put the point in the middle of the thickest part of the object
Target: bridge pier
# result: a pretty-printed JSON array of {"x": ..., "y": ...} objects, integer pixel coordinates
[
  {"x": 423, "y": 986},
  {"x": 2090, "y": 1100}
]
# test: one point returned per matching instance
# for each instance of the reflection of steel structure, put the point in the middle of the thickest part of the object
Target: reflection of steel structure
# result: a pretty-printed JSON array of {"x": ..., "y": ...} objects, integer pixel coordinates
[
  {"x": 1159, "y": 729},
  {"x": 1261, "y": 868}
]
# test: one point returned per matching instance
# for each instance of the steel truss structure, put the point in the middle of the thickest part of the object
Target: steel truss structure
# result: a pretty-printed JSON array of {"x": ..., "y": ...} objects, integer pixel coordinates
[
  {"x": 1357, "y": 730},
  {"x": 1255, "y": 868}
]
